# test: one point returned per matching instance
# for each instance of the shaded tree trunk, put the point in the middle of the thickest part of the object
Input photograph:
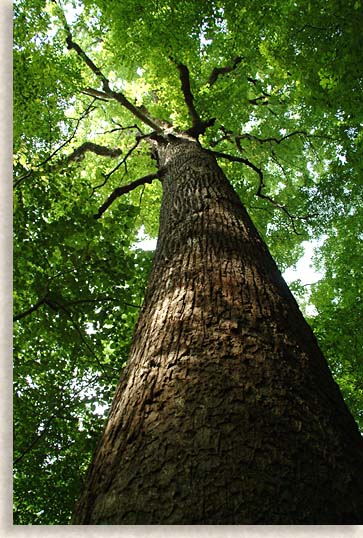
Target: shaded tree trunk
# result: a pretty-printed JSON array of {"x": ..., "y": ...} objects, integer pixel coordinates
[{"x": 227, "y": 412}]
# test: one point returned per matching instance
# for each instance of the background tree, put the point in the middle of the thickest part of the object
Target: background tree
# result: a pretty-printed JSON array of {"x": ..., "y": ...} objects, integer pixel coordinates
[{"x": 283, "y": 82}]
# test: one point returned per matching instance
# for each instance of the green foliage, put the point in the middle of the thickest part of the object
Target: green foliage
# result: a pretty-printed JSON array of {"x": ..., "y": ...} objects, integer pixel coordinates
[
  {"x": 340, "y": 306},
  {"x": 290, "y": 106}
]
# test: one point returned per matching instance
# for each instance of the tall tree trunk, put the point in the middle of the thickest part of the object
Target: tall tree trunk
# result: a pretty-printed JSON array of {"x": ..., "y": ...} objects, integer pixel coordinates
[{"x": 227, "y": 412}]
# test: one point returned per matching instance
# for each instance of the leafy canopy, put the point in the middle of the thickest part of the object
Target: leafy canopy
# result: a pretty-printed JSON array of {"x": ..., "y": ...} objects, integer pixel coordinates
[{"x": 273, "y": 87}]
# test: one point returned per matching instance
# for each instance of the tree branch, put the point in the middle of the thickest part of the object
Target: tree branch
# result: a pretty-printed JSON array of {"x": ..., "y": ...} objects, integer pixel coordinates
[
  {"x": 234, "y": 158},
  {"x": 271, "y": 139},
  {"x": 30, "y": 310},
  {"x": 230, "y": 136},
  {"x": 122, "y": 128},
  {"x": 262, "y": 99},
  {"x": 198, "y": 125},
  {"x": 188, "y": 96},
  {"x": 97, "y": 94},
  {"x": 119, "y": 191},
  {"x": 217, "y": 71},
  {"x": 261, "y": 184},
  {"x": 123, "y": 161},
  {"x": 78, "y": 154},
  {"x": 139, "y": 112}
]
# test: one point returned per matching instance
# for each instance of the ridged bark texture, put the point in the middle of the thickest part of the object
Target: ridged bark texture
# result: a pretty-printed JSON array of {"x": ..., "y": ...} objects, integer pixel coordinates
[{"x": 226, "y": 412}]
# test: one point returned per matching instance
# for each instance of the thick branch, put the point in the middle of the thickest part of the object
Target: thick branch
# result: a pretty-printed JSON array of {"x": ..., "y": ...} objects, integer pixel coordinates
[
  {"x": 30, "y": 310},
  {"x": 97, "y": 94},
  {"x": 262, "y": 100},
  {"x": 73, "y": 45},
  {"x": 138, "y": 112},
  {"x": 119, "y": 191},
  {"x": 198, "y": 125},
  {"x": 78, "y": 154},
  {"x": 188, "y": 96},
  {"x": 217, "y": 71}
]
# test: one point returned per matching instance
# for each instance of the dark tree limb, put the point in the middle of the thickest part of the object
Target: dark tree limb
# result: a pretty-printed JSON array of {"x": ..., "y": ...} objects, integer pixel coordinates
[
  {"x": 230, "y": 136},
  {"x": 78, "y": 154},
  {"x": 217, "y": 71},
  {"x": 120, "y": 127},
  {"x": 188, "y": 96},
  {"x": 30, "y": 310},
  {"x": 234, "y": 158},
  {"x": 262, "y": 100},
  {"x": 123, "y": 161},
  {"x": 97, "y": 94},
  {"x": 119, "y": 191},
  {"x": 198, "y": 125},
  {"x": 73, "y": 45},
  {"x": 139, "y": 112},
  {"x": 271, "y": 139},
  {"x": 255, "y": 82}
]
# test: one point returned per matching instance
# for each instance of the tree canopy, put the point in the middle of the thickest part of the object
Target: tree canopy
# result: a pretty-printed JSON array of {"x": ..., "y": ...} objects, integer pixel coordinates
[{"x": 276, "y": 87}]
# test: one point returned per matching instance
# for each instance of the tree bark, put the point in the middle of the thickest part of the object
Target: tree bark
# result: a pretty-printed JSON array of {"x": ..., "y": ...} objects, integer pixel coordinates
[{"x": 226, "y": 412}]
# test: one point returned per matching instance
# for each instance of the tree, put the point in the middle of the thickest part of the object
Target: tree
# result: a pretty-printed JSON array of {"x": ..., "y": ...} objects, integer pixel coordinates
[{"x": 226, "y": 400}]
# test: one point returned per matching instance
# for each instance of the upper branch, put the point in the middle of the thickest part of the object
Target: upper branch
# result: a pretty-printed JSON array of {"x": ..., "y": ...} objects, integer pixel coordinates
[
  {"x": 217, "y": 71},
  {"x": 271, "y": 139},
  {"x": 125, "y": 189},
  {"x": 261, "y": 184},
  {"x": 97, "y": 94},
  {"x": 123, "y": 161},
  {"x": 138, "y": 112},
  {"x": 198, "y": 125},
  {"x": 31, "y": 309},
  {"x": 188, "y": 96},
  {"x": 78, "y": 154},
  {"x": 231, "y": 137},
  {"x": 234, "y": 158}
]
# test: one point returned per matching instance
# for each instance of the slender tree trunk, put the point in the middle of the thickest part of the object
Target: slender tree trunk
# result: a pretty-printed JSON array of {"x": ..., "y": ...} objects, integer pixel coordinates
[{"x": 226, "y": 412}]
